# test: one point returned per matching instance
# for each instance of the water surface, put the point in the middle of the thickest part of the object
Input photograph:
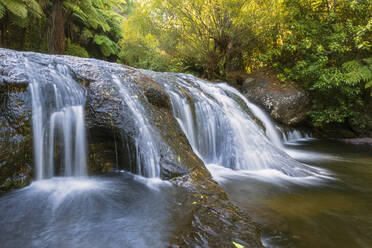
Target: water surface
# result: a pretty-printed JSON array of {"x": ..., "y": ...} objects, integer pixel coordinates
[
  {"x": 330, "y": 211},
  {"x": 120, "y": 210}
]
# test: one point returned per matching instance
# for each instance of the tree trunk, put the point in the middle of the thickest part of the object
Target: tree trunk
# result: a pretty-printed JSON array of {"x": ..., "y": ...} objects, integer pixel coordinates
[{"x": 57, "y": 32}]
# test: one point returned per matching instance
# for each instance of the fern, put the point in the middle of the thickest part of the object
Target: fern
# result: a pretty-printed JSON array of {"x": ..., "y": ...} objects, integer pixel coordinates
[
  {"x": 87, "y": 34},
  {"x": 16, "y": 7},
  {"x": 2, "y": 10},
  {"x": 357, "y": 72},
  {"x": 88, "y": 14},
  {"x": 107, "y": 46},
  {"x": 76, "y": 50},
  {"x": 76, "y": 10},
  {"x": 34, "y": 6},
  {"x": 368, "y": 85}
]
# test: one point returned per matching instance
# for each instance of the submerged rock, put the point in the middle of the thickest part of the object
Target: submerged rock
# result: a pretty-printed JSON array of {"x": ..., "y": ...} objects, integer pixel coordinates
[
  {"x": 286, "y": 102},
  {"x": 358, "y": 141}
]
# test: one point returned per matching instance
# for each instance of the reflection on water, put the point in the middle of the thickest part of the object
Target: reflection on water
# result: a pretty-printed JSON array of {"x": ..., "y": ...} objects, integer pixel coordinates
[
  {"x": 311, "y": 212},
  {"x": 121, "y": 210}
]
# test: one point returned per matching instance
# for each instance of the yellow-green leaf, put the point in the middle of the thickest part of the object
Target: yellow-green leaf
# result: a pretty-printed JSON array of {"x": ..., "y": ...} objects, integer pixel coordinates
[{"x": 237, "y": 245}]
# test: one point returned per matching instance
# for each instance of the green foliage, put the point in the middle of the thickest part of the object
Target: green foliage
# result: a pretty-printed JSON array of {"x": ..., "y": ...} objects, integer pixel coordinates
[
  {"x": 140, "y": 48},
  {"x": 91, "y": 26},
  {"x": 97, "y": 24},
  {"x": 76, "y": 50},
  {"x": 326, "y": 48},
  {"x": 107, "y": 46},
  {"x": 207, "y": 37},
  {"x": 16, "y": 7},
  {"x": 20, "y": 8},
  {"x": 2, "y": 10}
]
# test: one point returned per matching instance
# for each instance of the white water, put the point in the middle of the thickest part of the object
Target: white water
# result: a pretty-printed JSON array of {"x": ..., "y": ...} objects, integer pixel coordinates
[
  {"x": 265, "y": 119},
  {"x": 217, "y": 122},
  {"x": 147, "y": 155},
  {"x": 57, "y": 121},
  {"x": 293, "y": 135}
]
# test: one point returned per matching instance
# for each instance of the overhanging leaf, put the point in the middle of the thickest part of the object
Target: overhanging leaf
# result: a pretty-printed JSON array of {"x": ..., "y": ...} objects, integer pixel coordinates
[{"x": 16, "y": 7}]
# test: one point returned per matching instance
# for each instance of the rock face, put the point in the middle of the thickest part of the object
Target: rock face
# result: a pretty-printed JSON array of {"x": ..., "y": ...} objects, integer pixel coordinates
[
  {"x": 15, "y": 128},
  {"x": 213, "y": 220},
  {"x": 110, "y": 123},
  {"x": 286, "y": 103}
]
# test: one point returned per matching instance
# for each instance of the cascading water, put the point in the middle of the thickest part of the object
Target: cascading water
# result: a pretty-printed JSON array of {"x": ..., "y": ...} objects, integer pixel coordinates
[
  {"x": 217, "y": 123},
  {"x": 271, "y": 131},
  {"x": 57, "y": 121},
  {"x": 293, "y": 135},
  {"x": 147, "y": 155}
]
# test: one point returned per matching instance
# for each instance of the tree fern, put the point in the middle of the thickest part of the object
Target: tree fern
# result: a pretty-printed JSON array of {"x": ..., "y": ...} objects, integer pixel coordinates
[
  {"x": 76, "y": 10},
  {"x": 16, "y": 7},
  {"x": 2, "y": 10},
  {"x": 107, "y": 46},
  {"x": 20, "y": 8},
  {"x": 87, "y": 13},
  {"x": 34, "y": 6}
]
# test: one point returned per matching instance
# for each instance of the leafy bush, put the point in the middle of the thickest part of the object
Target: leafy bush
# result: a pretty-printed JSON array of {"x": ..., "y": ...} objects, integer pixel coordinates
[{"x": 327, "y": 49}]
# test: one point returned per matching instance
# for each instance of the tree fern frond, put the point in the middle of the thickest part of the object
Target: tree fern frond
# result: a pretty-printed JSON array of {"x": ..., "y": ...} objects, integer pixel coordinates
[
  {"x": 106, "y": 45},
  {"x": 87, "y": 34},
  {"x": 368, "y": 85},
  {"x": 34, "y": 6},
  {"x": 16, "y": 7},
  {"x": 356, "y": 72},
  {"x": 76, "y": 10},
  {"x": 2, "y": 10}
]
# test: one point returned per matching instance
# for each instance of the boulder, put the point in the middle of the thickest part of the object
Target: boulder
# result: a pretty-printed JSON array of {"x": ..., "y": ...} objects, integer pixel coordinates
[
  {"x": 287, "y": 103},
  {"x": 213, "y": 221},
  {"x": 110, "y": 124}
]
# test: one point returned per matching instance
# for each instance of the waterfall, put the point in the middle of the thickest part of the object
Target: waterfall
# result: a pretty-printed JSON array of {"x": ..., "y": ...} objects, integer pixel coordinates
[
  {"x": 57, "y": 121},
  {"x": 293, "y": 135},
  {"x": 271, "y": 130},
  {"x": 147, "y": 155},
  {"x": 219, "y": 124}
]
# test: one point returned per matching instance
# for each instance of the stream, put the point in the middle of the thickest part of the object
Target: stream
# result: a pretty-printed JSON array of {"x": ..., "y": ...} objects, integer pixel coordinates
[
  {"x": 310, "y": 212},
  {"x": 301, "y": 191}
]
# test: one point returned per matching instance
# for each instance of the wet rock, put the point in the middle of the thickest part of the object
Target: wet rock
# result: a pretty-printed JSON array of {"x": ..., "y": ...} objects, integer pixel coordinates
[
  {"x": 213, "y": 220},
  {"x": 153, "y": 92},
  {"x": 286, "y": 102},
  {"x": 110, "y": 123},
  {"x": 15, "y": 137}
]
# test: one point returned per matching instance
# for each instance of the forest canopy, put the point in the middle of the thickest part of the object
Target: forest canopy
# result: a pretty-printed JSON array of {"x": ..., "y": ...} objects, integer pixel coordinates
[{"x": 322, "y": 45}]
